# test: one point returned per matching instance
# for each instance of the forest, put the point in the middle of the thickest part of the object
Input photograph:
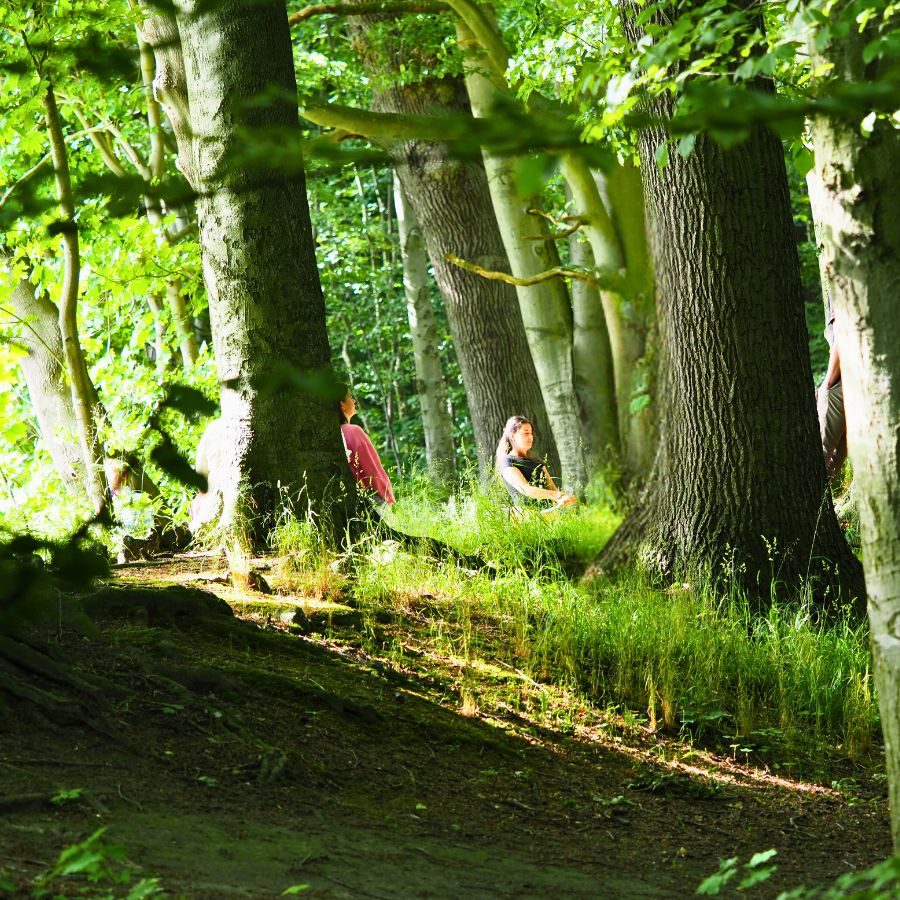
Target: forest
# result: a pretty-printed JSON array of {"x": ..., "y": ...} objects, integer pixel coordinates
[{"x": 449, "y": 448}]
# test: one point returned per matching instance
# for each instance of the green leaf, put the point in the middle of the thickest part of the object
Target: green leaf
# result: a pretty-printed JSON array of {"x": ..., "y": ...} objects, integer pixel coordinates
[
  {"x": 686, "y": 145},
  {"x": 662, "y": 155},
  {"x": 711, "y": 886},
  {"x": 757, "y": 876},
  {"x": 759, "y": 858},
  {"x": 295, "y": 889}
]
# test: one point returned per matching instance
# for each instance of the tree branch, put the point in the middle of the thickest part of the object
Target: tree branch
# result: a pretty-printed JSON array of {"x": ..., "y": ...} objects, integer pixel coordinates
[
  {"x": 43, "y": 161},
  {"x": 575, "y": 221},
  {"x": 487, "y": 34},
  {"x": 357, "y": 9},
  {"x": 382, "y": 128},
  {"x": 557, "y": 272}
]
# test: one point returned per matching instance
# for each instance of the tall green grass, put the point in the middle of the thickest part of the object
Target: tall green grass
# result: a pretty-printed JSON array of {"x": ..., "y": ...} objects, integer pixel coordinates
[{"x": 689, "y": 657}]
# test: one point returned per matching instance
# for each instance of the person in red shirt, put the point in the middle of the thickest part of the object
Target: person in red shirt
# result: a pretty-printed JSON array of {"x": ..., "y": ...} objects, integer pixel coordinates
[{"x": 362, "y": 455}]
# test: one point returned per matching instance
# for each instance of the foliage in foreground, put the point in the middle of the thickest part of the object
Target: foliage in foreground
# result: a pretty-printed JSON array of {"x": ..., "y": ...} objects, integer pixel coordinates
[
  {"x": 696, "y": 660},
  {"x": 879, "y": 881}
]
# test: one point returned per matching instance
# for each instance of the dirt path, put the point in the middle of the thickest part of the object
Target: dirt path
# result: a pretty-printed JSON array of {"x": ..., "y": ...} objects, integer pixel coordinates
[{"x": 243, "y": 761}]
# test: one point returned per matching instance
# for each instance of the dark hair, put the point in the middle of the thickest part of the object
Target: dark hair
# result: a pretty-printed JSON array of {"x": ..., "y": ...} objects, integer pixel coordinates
[
  {"x": 513, "y": 424},
  {"x": 344, "y": 391}
]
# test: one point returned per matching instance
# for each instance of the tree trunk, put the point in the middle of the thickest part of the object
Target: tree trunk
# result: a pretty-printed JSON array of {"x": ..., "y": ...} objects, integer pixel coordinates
[
  {"x": 595, "y": 387},
  {"x": 44, "y": 371},
  {"x": 738, "y": 486},
  {"x": 265, "y": 300},
  {"x": 430, "y": 385},
  {"x": 631, "y": 320},
  {"x": 76, "y": 368},
  {"x": 546, "y": 308},
  {"x": 611, "y": 208},
  {"x": 860, "y": 177}
]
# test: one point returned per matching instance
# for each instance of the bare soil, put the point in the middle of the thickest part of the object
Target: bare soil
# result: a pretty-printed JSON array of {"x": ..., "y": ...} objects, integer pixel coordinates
[{"x": 240, "y": 756}]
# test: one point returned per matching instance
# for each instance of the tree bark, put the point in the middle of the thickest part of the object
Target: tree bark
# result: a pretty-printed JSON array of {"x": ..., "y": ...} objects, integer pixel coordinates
[
  {"x": 631, "y": 320},
  {"x": 44, "y": 371},
  {"x": 860, "y": 180},
  {"x": 611, "y": 207},
  {"x": 265, "y": 299},
  {"x": 430, "y": 385},
  {"x": 738, "y": 486},
  {"x": 594, "y": 376}
]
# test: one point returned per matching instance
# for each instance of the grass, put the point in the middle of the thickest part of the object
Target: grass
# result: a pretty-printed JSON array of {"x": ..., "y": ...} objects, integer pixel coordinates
[{"x": 688, "y": 658}]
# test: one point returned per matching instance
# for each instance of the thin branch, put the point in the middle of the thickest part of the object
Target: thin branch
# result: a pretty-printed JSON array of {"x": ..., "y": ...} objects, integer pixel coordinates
[
  {"x": 493, "y": 275},
  {"x": 559, "y": 223},
  {"x": 575, "y": 225},
  {"x": 43, "y": 161},
  {"x": 556, "y": 235},
  {"x": 358, "y": 9}
]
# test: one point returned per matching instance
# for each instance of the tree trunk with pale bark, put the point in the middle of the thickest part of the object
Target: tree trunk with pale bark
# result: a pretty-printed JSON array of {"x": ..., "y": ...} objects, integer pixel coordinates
[
  {"x": 860, "y": 226},
  {"x": 430, "y": 386}
]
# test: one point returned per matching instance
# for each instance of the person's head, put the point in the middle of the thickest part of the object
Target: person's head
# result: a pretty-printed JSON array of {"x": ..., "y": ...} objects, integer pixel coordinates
[
  {"x": 518, "y": 437},
  {"x": 346, "y": 405}
]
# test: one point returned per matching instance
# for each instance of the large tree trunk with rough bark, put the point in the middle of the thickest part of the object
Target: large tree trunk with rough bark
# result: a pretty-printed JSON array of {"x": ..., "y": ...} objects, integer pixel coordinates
[
  {"x": 430, "y": 386},
  {"x": 738, "y": 485},
  {"x": 860, "y": 180},
  {"x": 265, "y": 299}
]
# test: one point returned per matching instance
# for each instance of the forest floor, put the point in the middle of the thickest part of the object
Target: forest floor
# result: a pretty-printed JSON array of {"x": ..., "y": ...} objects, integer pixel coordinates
[{"x": 246, "y": 756}]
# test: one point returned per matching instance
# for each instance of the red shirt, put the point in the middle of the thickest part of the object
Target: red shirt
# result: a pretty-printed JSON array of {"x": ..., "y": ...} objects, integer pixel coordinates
[{"x": 365, "y": 462}]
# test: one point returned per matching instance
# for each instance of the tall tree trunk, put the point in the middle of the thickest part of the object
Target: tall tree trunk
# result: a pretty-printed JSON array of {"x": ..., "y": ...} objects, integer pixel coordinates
[
  {"x": 546, "y": 307},
  {"x": 860, "y": 177},
  {"x": 187, "y": 342},
  {"x": 430, "y": 385},
  {"x": 76, "y": 368},
  {"x": 739, "y": 479},
  {"x": 611, "y": 208},
  {"x": 631, "y": 319},
  {"x": 265, "y": 300},
  {"x": 44, "y": 369},
  {"x": 595, "y": 387}
]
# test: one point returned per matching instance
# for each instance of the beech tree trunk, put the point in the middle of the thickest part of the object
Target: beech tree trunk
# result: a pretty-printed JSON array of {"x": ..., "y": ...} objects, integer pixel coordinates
[
  {"x": 430, "y": 386},
  {"x": 860, "y": 180},
  {"x": 738, "y": 485},
  {"x": 265, "y": 300},
  {"x": 611, "y": 208},
  {"x": 45, "y": 376},
  {"x": 595, "y": 387},
  {"x": 76, "y": 368}
]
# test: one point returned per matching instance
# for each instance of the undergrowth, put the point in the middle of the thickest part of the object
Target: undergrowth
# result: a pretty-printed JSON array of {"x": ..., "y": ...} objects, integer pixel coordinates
[{"x": 691, "y": 659}]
